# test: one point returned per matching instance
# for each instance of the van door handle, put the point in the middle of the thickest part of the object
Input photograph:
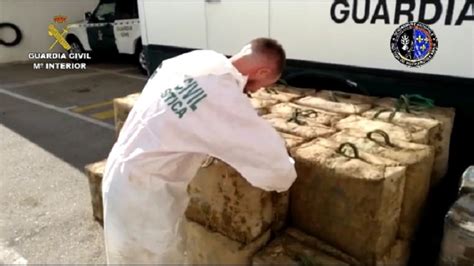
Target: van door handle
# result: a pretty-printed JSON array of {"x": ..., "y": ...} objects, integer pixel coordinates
[{"x": 213, "y": 1}]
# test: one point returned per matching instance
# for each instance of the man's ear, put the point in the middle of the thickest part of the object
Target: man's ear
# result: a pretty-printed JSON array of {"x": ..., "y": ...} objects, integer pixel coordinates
[{"x": 264, "y": 72}]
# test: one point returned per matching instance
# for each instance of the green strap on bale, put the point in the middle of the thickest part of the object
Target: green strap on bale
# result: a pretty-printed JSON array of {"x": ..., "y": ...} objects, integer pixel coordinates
[
  {"x": 342, "y": 150},
  {"x": 271, "y": 91},
  {"x": 381, "y": 133},
  {"x": 296, "y": 117},
  {"x": 392, "y": 113},
  {"x": 414, "y": 102}
]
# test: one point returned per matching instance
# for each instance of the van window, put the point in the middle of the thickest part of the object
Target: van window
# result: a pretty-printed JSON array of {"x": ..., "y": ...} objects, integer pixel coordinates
[
  {"x": 126, "y": 9},
  {"x": 105, "y": 12}
]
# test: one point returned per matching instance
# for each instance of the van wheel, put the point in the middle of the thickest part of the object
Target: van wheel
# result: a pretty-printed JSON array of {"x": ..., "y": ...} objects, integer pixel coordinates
[
  {"x": 141, "y": 58},
  {"x": 76, "y": 48}
]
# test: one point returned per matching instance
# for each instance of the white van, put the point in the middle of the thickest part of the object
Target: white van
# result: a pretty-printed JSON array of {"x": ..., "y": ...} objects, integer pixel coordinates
[
  {"x": 343, "y": 45},
  {"x": 113, "y": 27}
]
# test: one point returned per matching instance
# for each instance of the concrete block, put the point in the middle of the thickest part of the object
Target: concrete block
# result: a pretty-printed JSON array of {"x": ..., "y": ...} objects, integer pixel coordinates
[
  {"x": 95, "y": 172},
  {"x": 205, "y": 247},
  {"x": 340, "y": 193}
]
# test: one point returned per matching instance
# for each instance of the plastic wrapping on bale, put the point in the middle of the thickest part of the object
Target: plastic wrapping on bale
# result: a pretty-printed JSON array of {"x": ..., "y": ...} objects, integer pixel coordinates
[
  {"x": 122, "y": 107},
  {"x": 442, "y": 114},
  {"x": 410, "y": 134},
  {"x": 262, "y": 105},
  {"x": 340, "y": 193},
  {"x": 418, "y": 158},
  {"x": 95, "y": 173},
  {"x": 281, "y": 93},
  {"x": 467, "y": 181},
  {"x": 287, "y": 250},
  {"x": 304, "y": 127},
  {"x": 205, "y": 247},
  {"x": 317, "y": 115},
  {"x": 458, "y": 239},
  {"x": 338, "y": 102}
]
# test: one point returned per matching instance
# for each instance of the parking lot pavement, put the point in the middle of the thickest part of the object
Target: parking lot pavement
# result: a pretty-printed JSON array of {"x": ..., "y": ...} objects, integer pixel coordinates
[{"x": 53, "y": 123}]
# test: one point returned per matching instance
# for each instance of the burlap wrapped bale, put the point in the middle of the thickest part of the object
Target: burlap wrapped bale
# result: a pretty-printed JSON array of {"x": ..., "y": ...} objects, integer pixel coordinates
[
  {"x": 317, "y": 115},
  {"x": 122, "y": 107},
  {"x": 281, "y": 93},
  {"x": 411, "y": 133},
  {"x": 223, "y": 201},
  {"x": 95, "y": 173},
  {"x": 398, "y": 255},
  {"x": 262, "y": 106},
  {"x": 204, "y": 247},
  {"x": 305, "y": 127},
  {"x": 321, "y": 245},
  {"x": 336, "y": 197},
  {"x": 288, "y": 250},
  {"x": 445, "y": 116},
  {"x": 291, "y": 141},
  {"x": 338, "y": 102},
  {"x": 418, "y": 158}
]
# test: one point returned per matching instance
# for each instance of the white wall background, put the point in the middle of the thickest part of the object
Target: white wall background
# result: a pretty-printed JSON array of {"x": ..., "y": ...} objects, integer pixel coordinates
[{"x": 33, "y": 18}]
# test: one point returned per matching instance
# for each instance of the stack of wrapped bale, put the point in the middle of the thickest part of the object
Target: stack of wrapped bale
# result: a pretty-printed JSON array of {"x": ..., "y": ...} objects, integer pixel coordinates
[
  {"x": 94, "y": 174},
  {"x": 293, "y": 247},
  {"x": 363, "y": 175},
  {"x": 347, "y": 197},
  {"x": 227, "y": 212},
  {"x": 416, "y": 134},
  {"x": 280, "y": 93},
  {"x": 302, "y": 121},
  {"x": 122, "y": 107},
  {"x": 414, "y": 110},
  {"x": 418, "y": 158},
  {"x": 338, "y": 102}
]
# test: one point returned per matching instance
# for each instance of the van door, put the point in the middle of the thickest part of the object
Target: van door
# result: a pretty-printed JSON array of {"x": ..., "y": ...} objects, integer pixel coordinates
[
  {"x": 100, "y": 30},
  {"x": 126, "y": 26}
]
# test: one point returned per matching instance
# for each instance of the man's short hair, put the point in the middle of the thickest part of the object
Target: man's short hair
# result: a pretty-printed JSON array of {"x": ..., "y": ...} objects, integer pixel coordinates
[{"x": 272, "y": 49}]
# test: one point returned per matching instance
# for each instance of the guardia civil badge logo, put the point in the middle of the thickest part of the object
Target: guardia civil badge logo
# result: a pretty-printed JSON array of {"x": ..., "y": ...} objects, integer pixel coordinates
[{"x": 414, "y": 44}]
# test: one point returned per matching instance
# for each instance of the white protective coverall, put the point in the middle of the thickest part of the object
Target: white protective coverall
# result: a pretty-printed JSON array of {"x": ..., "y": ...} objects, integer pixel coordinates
[{"x": 192, "y": 107}]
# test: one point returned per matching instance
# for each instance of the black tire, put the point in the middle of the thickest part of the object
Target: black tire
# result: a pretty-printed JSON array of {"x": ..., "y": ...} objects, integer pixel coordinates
[
  {"x": 76, "y": 47},
  {"x": 141, "y": 58},
  {"x": 18, "y": 34}
]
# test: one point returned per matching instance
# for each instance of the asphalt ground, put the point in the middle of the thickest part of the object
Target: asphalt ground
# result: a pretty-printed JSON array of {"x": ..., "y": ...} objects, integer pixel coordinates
[{"x": 53, "y": 123}]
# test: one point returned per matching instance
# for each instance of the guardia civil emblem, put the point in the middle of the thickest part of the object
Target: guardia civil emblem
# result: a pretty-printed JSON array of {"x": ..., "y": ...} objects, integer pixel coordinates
[{"x": 414, "y": 44}]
